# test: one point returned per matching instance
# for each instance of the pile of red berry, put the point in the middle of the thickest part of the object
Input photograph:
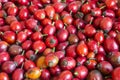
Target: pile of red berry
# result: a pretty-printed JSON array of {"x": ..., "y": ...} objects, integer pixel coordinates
[{"x": 59, "y": 40}]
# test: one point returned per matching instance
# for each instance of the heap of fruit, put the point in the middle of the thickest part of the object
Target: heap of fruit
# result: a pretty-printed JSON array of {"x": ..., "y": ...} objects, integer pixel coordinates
[{"x": 59, "y": 40}]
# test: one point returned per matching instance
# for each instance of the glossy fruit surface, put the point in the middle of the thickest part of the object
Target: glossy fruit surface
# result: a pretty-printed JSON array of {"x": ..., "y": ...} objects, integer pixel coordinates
[
  {"x": 9, "y": 66},
  {"x": 59, "y": 39},
  {"x": 67, "y": 63},
  {"x": 33, "y": 73},
  {"x": 105, "y": 67},
  {"x": 82, "y": 49},
  {"x": 41, "y": 62},
  {"x": 4, "y": 76},
  {"x": 18, "y": 74},
  {"x": 81, "y": 72},
  {"x": 115, "y": 73},
  {"x": 94, "y": 74},
  {"x": 51, "y": 60},
  {"x": 65, "y": 75}
]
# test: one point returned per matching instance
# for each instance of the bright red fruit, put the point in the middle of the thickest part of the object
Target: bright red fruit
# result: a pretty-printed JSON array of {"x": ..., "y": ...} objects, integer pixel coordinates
[
  {"x": 67, "y": 63},
  {"x": 81, "y": 72},
  {"x": 82, "y": 49},
  {"x": 39, "y": 46},
  {"x": 116, "y": 74}
]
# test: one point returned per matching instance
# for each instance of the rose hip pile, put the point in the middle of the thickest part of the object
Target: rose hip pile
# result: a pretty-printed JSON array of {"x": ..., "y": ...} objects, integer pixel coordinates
[{"x": 59, "y": 40}]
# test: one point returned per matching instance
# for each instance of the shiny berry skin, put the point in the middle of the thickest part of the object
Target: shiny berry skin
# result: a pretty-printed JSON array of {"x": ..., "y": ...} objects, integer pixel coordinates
[
  {"x": 4, "y": 56},
  {"x": 112, "y": 34},
  {"x": 99, "y": 37},
  {"x": 116, "y": 26},
  {"x": 33, "y": 8},
  {"x": 109, "y": 13},
  {"x": 46, "y": 22},
  {"x": 81, "y": 60},
  {"x": 58, "y": 6},
  {"x": 73, "y": 39},
  {"x": 51, "y": 41},
  {"x": 101, "y": 49},
  {"x": 97, "y": 21},
  {"x": 51, "y": 60},
  {"x": 49, "y": 30},
  {"x": 23, "y": 2},
  {"x": 12, "y": 10},
  {"x": 30, "y": 55},
  {"x": 79, "y": 23},
  {"x": 28, "y": 64},
  {"x": 71, "y": 29},
  {"x": 18, "y": 74},
  {"x": 39, "y": 46},
  {"x": 105, "y": 67},
  {"x": 36, "y": 36},
  {"x": 24, "y": 13},
  {"x": 47, "y": 51},
  {"x": 82, "y": 49},
  {"x": 15, "y": 49},
  {"x": 9, "y": 36},
  {"x": 50, "y": 11},
  {"x": 45, "y": 74},
  {"x": 59, "y": 24},
  {"x": 94, "y": 74},
  {"x": 96, "y": 12},
  {"x": 28, "y": 32},
  {"x": 86, "y": 8},
  {"x": 33, "y": 73},
  {"x": 73, "y": 6},
  {"x": 92, "y": 46},
  {"x": 115, "y": 73},
  {"x": 100, "y": 57},
  {"x": 26, "y": 44},
  {"x": 45, "y": 1},
  {"x": 4, "y": 76},
  {"x": 41, "y": 62},
  {"x": 113, "y": 57},
  {"x": 19, "y": 59},
  {"x": 2, "y": 21},
  {"x": 91, "y": 64},
  {"x": 110, "y": 3},
  {"x": 3, "y": 46},
  {"x": 110, "y": 45},
  {"x": 8, "y": 66},
  {"x": 10, "y": 19},
  {"x": 56, "y": 16},
  {"x": 31, "y": 23},
  {"x": 62, "y": 45},
  {"x": 81, "y": 35},
  {"x": 0, "y": 5},
  {"x": 5, "y": 28},
  {"x": 71, "y": 51},
  {"x": 81, "y": 72},
  {"x": 21, "y": 37},
  {"x": 89, "y": 30},
  {"x": 67, "y": 19},
  {"x": 106, "y": 24},
  {"x": 62, "y": 35},
  {"x": 16, "y": 26},
  {"x": 67, "y": 63},
  {"x": 40, "y": 14},
  {"x": 60, "y": 54},
  {"x": 65, "y": 75},
  {"x": 55, "y": 70}
]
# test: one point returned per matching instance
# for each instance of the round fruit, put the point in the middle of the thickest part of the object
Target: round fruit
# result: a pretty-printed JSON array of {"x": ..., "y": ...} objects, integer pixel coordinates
[
  {"x": 51, "y": 60},
  {"x": 33, "y": 73},
  {"x": 67, "y": 63},
  {"x": 81, "y": 72}
]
